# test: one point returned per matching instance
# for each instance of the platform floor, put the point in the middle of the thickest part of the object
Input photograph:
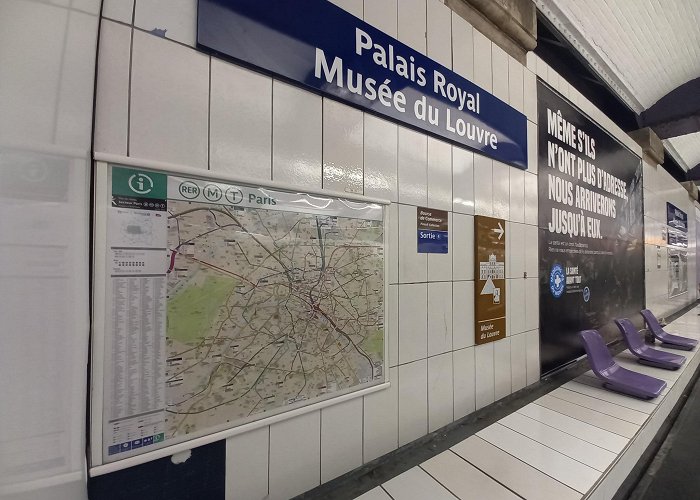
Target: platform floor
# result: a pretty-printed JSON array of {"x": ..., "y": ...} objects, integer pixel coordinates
[
  {"x": 674, "y": 473},
  {"x": 559, "y": 447}
]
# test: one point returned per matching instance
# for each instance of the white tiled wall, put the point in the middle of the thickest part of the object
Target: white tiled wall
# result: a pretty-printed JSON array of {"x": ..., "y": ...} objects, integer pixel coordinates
[
  {"x": 659, "y": 188},
  {"x": 227, "y": 118}
]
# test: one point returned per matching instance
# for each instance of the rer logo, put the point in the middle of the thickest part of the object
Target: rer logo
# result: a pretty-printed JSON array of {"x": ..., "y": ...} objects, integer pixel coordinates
[
  {"x": 557, "y": 281},
  {"x": 140, "y": 183},
  {"x": 189, "y": 190}
]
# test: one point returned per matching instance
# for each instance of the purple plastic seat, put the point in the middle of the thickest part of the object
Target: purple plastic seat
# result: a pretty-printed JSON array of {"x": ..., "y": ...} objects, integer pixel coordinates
[
  {"x": 647, "y": 355},
  {"x": 615, "y": 377},
  {"x": 667, "y": 339}
]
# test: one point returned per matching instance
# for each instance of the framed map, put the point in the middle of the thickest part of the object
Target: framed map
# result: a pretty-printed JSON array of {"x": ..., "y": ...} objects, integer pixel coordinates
[{"x": 228, "y": 303}]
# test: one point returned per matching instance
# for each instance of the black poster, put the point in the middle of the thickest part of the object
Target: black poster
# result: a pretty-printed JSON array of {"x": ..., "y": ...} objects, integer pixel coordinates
[{"x": 591, "y": 229}]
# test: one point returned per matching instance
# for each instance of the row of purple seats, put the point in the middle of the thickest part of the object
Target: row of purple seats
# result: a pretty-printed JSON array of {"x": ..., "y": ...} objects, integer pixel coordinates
[{"x": 619, "y": 379}]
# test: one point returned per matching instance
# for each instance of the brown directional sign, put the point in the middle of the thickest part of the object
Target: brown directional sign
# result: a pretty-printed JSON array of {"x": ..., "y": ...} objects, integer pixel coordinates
[{"x": 490, "y": 279}]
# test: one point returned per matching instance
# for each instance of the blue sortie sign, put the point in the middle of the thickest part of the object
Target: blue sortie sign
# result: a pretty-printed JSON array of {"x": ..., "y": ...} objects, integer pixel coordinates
[{"x": 321, "y": 47}]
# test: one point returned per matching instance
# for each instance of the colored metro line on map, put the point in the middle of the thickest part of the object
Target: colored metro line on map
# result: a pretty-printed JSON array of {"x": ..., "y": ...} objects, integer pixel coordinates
[{"x": 267, "y": 308}]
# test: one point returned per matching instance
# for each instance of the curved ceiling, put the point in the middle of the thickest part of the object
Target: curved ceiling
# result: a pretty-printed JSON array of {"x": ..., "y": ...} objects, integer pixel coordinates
[
  {"x": 643, "y": 49},
  {"x": 687, "y": 147}
]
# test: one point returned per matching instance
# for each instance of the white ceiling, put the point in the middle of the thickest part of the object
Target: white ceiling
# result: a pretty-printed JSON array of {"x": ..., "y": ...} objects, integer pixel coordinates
[
  {"x": 642, "y": 48},
  {"x": 687, "y": 147}
]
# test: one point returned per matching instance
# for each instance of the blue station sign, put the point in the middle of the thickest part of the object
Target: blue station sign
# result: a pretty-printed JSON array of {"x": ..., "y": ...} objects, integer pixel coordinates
[{"x": 323, "y": 48}]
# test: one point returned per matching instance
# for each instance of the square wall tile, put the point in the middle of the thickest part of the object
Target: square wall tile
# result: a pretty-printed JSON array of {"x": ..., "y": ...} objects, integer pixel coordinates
[
  {"x": 501, "y": 190},
  {"x": 483, "y": 185},
  {"x": 118, "y": 10},
  {"x": 440, "y": 392},
  {"x": 462, "y": 47},
  {"x": 354, "y": 7},
  {"x": 531, "y": 61},
  {"x": 381, "y": 164},
  {"x": 392, "y": 313},
  {"x": 341, "y": 438},
  {"x": 530, "y": 97},
  {"x": 168, "y": 122},
  {"x": 542, "y": 69},
  {"x": 532, "y": 341},
  {"x": 75, "y": 89},
  {"x": 240, "y": 121},
  {"x": 462, "y": 180},
  {"x": 439, "y": 32},
  {"x": 462, "y": 234},
  {"x": 440, "y": 264},
  {"x": 502, "y": 371},
  {"x": 515, "y": 306},
  {"x": 413, "y": 401},
  {"x": 462, "y": 314},
  {"x": 391, "y": 227},
  {"x": 413, "y": 322},
  {"x": 515, "y": 246},
  {"x": 296, "y": 151},
  {"x": 381, "y": 420},
  {"x": 482, "y": 60},
  {"x": 413, "y": 266},
  {"x": 246, "y": 464},
  {"x": 342, "y": 148},
  {"x": 177, "y": 19},
  {"x": 531, "y": 250},
  {"x": 532, "y": 165},
  {"x": 530, "y": 199},
  {"x": 515, "y": 84},
  {"x": 517, "y": 195},
  {"x": 112, "y": 100},
  {"x": 413, "y": 167},
  {"x": 499, "y": 62},
  {"x": 484, "y": 375},
  {"x": 382, "y": 14},
  {"x": 295, "y": 455},
  {"x": 518, "y": 361},
  {"x": 439, "y": 173},
  {"x": 532, "y": 303},
  {"x": 439, "y": 318},
  {"x": 464, "y": 382},
  {"x": 412, "y": 24}
]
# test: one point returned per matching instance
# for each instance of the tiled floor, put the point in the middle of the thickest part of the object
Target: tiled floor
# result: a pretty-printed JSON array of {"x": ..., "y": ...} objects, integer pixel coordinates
[{"x": 558, "y": 447}]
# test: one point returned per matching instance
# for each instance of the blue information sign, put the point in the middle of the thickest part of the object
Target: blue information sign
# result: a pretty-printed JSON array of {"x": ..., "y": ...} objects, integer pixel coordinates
[
  {"x": 433, "y": 230},
  {"x": 432, "y": 241},
  {"x": 320, "y": 46},
  {"x": 676, "y": 218}
]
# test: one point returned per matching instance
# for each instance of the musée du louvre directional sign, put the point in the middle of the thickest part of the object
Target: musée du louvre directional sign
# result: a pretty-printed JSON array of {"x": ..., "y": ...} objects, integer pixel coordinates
[
  {"x": 321, "y": 47},
  {"x": 490, "y": 279}
]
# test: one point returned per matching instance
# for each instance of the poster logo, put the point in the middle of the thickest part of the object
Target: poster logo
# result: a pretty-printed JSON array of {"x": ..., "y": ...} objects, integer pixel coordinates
[
  {"x": 140, "y": 183},
  {"x": 557, "y": 281},
  {"x": 586, "y": 294}
]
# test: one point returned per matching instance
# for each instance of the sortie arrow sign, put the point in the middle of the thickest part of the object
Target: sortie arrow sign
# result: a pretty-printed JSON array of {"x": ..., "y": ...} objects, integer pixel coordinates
[{"x": 499, "y": 231}]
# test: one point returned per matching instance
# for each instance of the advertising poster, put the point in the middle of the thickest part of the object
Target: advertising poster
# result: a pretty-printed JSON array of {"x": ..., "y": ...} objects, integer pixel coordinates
[{"x": 591, "y": 229}]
